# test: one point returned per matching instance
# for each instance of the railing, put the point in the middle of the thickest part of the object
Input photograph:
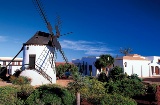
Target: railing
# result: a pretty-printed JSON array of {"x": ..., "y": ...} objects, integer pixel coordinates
[{"x": 40, "y": 71}]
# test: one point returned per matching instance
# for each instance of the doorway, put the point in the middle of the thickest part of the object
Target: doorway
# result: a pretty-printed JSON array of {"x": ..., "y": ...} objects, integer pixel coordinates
[
  {"x": 90, "y": 70},
  {"x": 32, "y": 59},
  {"x": 157, "y": 70}
]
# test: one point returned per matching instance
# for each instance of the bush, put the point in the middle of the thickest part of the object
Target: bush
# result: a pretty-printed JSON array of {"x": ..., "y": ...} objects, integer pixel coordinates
[
  {"x": 116, "y": 71},
  {"x": 116, "y": 99},
  {"x": 135, "y": 76},
  {"x": 93, "y": 88},
  {"x": 25, "y": 91},
  {"x": 21, "y": 80},
  {"x": 126, "y": 87},
  {"x": 102, "y": 77},
  {"x": 51, "y": 94},
  {"x": 8, "y": 96},
  {"x": 66, "y": 70},
  {"x": 3, "y": 72},
  {"x": 117, "y": 74},
  {"x": 17, "y": 73},
  {"x": 151, "y": 88}
]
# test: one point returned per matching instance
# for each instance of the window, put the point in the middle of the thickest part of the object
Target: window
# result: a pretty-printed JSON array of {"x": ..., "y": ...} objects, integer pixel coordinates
[
  {"x": 4, "y": 62},
  {"x": 19, "y": 63},
  {"x": 125, "y": 64},
  {"x": 13, "y": 63},
  {"x": 158, "y": 60},
  {"x": 27, "y": 48}
]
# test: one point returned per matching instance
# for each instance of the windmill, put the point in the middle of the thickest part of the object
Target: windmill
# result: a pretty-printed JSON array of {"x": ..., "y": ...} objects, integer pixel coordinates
[
  {"x": 53, "y": 41},
  {"x": 39, "y": 52},
  {"x": 45, "y": 62}
]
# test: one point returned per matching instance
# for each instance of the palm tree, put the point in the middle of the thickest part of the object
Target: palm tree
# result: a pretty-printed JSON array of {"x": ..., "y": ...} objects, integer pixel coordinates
[
  {"x": 97, "y": 65},
  {"x": 105, "y": 61},
  {"x": 76, "y": 85},
  {"x": 126, "y": 51}
]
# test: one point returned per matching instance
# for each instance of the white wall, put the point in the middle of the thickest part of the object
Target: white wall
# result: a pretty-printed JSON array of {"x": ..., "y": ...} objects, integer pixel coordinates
[
  {"x": 36, "y": 78},
  {"x": 87, "y": 61},
  {"x": 139, "y": 67},
  {"x": 12, "y": 68},
  {"x": 153, "y": 58},
  {"x": 45, "y": 59}
]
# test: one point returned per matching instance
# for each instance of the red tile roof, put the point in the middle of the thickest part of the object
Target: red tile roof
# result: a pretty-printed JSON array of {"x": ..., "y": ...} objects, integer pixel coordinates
[{"x": 61, "y": 63}]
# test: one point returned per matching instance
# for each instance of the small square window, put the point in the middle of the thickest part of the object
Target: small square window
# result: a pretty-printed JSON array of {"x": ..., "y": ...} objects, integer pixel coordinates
[{"x": 4, "y": 62}]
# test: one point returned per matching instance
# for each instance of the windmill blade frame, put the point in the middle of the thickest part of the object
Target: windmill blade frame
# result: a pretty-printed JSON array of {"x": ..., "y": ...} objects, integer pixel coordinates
[{"x": 54, "y": 42}]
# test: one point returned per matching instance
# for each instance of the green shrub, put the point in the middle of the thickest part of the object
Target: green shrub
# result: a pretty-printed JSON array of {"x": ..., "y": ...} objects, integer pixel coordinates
[
  {"x": 66, "y": 70},
  {"x": 117, "y": 74},
  {"x": 116, "y": 71},
  {"x": 116, "y": 99},
  {"x": 25, "y": 91},
  {"x": 135, "y": 76},
  {"x": 88, "y": 87},
  {"x": 49, "y": 94},
  {"x": 102, "y": 77},
  {"x": 17, "y": 73},
  {"x": 95, "y": 88},
  {"x": 21, "y": 80},
  {"x": 151, "y": 88},
  {"x": 126, "y": 87},
  {"x": 8, "y": 96}
]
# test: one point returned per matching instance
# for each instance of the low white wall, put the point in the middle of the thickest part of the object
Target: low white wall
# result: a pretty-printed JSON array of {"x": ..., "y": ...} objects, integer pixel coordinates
[{"x": 37, "y": 79}]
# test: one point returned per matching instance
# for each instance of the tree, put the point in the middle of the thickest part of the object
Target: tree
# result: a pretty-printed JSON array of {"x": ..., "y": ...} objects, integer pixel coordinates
[
  {"x": 117, "y": 73},
  {"x": 106, "y": 61},
  {"x": 65, "y": 69},
  {"x": 126, "y": 51},
  {"x": 76, "y": 85},
  {"x": 97, "y": 65}
]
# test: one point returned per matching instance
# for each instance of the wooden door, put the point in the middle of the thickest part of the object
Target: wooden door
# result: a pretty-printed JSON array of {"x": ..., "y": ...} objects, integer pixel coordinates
[
  {"x": 157, "y": 70},
  {"x": 32, "y": 61}
]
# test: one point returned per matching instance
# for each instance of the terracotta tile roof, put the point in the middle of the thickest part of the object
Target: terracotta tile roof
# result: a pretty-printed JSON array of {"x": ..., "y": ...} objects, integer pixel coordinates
[
  {"x": 61, "y": 63},
  {"x": 40, "y": 38},
  {"x": 132, "y": 57}
]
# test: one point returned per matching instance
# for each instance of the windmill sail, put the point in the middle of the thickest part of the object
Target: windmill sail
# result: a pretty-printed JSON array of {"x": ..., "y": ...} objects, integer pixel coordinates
[{"x": 53, "y": 40}]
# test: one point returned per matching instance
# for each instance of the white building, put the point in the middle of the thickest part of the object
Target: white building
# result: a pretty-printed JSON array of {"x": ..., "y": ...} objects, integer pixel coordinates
[
  {"x": 15, "y": 65},
  {"x": 86, "y": 65},
  {"x": 38, "y": 59},
  {"x": 132, "y": 64}
]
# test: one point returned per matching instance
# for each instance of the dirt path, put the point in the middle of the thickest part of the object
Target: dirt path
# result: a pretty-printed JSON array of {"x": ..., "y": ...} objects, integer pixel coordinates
[
  {"x": 62, "y": 82},
  {"x": 4, "y": 83}
]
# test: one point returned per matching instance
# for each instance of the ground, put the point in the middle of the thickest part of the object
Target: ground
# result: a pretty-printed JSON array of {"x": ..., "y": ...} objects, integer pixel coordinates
[
  {"x": 63, "y": 82},
  {"x": 4, "y": 83}
]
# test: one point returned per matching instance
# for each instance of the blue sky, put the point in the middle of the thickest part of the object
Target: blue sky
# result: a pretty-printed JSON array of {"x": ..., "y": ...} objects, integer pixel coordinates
[{"x": 98, "y": 26}]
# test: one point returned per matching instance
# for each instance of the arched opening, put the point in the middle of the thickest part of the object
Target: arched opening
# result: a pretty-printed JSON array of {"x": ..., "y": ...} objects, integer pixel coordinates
[{"x": 157, "y": 70}]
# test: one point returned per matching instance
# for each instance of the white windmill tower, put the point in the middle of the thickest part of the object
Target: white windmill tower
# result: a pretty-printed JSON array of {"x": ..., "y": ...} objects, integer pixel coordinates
[{"x": 39, "y": 53}]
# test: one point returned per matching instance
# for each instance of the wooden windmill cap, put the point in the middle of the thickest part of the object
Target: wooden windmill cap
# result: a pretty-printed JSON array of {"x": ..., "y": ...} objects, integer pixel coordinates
[{"x": 40, "y": 38}]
